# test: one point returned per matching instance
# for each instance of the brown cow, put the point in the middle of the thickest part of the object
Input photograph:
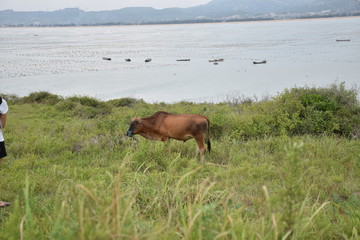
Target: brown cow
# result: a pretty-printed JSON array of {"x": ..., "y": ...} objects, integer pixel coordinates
[{"x": 163, "y": 126}]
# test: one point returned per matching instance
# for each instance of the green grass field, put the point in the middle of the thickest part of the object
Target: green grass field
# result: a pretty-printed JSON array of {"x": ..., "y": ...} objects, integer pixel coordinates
[{"x": 284, "y": 168}]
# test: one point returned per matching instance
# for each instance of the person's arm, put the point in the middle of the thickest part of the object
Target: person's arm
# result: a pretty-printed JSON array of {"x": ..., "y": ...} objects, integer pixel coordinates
[{"x": 3, "y": 120}]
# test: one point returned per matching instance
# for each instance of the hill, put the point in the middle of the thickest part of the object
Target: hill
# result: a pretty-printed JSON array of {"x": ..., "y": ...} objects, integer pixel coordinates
[{"x": 216, "y": 10}]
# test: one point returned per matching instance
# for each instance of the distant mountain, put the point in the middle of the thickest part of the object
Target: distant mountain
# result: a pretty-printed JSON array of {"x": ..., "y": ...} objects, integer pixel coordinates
[
  {"x": 285, "y": 6},
  {"x": 216, "y": 10}
]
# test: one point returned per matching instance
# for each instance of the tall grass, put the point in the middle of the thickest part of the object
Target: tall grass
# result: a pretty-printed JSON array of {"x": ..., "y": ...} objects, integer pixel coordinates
[{"x": 77, "y": 176}]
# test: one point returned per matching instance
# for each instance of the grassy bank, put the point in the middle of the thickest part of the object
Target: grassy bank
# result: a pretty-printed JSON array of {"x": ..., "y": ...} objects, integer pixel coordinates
[{"x": 285, "y": 168}]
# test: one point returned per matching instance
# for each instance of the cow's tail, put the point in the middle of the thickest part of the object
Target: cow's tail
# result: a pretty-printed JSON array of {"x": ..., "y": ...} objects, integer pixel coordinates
[{"x": 208, "y": 136}]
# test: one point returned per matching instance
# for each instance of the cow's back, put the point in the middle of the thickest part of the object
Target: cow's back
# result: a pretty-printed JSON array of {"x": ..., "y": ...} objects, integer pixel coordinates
[{"x": 184, "y": 126}]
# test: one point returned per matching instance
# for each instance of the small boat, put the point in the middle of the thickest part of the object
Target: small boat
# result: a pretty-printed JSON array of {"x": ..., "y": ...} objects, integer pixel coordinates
[
  {"x": 127, "y": 59},
  {"x": 262, "y": 62},
  {"x": 217, "y": 60},
  {"x": 343, "y": 40},
  {"x": 107, "y": 58},
  {"x": 148, "y": 60},
  {"x": 183, "y": 60}
]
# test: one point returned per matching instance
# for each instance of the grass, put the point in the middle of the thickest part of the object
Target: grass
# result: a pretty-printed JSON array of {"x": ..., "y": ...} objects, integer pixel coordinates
[{"x": 72, "y": 173}]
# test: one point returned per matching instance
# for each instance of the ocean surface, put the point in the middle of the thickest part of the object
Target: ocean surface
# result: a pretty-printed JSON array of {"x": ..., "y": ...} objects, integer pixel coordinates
[{"x": 69, "y": 60}]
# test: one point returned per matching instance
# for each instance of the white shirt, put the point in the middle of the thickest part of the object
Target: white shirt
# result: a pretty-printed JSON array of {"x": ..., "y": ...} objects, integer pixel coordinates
[{"x": 3, "y": 110}]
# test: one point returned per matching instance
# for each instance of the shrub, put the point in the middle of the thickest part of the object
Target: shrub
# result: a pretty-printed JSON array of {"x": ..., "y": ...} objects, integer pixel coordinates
[
  {"x": 220, "y": 123},
  {"x": 41, "y": 97},
  {"x": 320, "y": 110},
  {"x": 86, "y": 101},
  {"x": 298, "y": 111},
  {"x": 86, "y": 107},
  {"x": 124, "y": 102},
  {"x": 10, "y": 98}
]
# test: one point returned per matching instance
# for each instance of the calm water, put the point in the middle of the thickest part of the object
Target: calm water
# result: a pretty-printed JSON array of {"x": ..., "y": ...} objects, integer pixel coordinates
[{"x": 68, "y": 61}]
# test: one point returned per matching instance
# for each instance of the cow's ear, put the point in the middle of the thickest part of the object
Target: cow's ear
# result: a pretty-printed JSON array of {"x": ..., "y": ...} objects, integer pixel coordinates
[{"x": 136, "y": 120}]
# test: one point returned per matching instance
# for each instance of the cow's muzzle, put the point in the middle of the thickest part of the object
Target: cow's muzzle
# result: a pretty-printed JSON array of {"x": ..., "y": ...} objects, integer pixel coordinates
[{"x": 130, "y": 133}]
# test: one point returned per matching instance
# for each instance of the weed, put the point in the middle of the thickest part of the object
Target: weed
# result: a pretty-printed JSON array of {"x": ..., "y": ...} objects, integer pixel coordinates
[{"x": 71, "y": 173}]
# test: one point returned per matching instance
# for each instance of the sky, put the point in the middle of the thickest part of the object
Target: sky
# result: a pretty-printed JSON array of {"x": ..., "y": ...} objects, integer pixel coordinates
[{"x": 93, "y": 5}]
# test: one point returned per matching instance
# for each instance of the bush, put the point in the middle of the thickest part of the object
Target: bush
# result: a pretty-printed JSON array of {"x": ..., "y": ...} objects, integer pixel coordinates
[
  {"x": 41, "y": 97},
  {"x": 86, "y": 101},
  {"x": 320, "y": 110},
  {"x": 10, "y": 98},
  {"x": 86, "y": 107},
  {"x": 124, "y": 102},
  {"x": 298, "y": 111}
]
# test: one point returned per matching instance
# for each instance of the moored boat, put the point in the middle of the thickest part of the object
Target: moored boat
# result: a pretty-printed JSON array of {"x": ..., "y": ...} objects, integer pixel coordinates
[
  {"x": 217, "y": 60},
  {"x": 260, "y": 62}
]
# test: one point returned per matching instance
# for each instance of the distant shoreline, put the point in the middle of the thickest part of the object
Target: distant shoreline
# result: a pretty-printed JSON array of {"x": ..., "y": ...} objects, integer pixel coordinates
[
  {"x": 187, "y": 22},
  {"x": 250, "y": 21}
]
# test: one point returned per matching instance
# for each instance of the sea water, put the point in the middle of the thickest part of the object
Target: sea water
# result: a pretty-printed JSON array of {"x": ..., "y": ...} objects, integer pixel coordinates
[{"x": 69, "y": 60}]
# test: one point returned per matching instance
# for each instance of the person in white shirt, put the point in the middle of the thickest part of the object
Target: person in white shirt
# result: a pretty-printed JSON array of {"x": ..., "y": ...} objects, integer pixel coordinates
[{"x": 3, "y": 111}]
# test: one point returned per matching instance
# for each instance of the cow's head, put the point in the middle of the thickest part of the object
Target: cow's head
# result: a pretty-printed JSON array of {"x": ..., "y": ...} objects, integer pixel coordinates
[{"x": 135, "y": 127}]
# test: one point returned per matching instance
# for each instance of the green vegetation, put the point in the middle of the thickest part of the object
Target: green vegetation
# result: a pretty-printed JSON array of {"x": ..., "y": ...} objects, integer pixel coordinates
[{"x": 285, "y": 168}]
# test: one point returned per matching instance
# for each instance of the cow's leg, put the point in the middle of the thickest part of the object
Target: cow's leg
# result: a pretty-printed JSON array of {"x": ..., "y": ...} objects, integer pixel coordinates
[
  {"x": 167, "y": 144},
  {"x": 201, "y": 146}
]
